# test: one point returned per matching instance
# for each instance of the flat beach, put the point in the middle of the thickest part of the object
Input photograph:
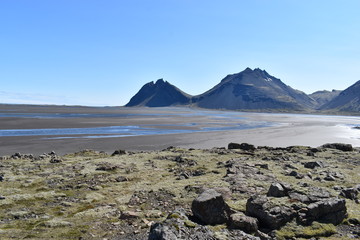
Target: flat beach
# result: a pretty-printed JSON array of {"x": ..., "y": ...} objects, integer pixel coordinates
[{"x": 180, "y": 127}]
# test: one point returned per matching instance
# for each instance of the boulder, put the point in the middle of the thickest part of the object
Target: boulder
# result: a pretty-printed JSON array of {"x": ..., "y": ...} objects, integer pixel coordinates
[
  {"x": 242, "y": 146},
  {"x": 244, "y": 223},
  {"x": 160, "y": 231},
  {"x": 178, "y": 226},
  {"x": 332, "y": 210},
  {"x": 350, "y": 193},
  {"x": 313, "y": 165},
  {"x": 276, "y": 190},
  {"x": 210, "y": 208},
  {"x": 339, "y": 146},
  {"x": 270, "y": 215}
]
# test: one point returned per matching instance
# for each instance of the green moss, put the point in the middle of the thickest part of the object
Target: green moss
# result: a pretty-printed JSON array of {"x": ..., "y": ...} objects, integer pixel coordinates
[
  {"x": 318, "y": 230},
  {"x": 292, "y": 230},
  {"x": 174, "y": 215},
  {"x": 189, "y": 224},
  {"x": 83, "y": 208},
  {"x": 218, "y": 228}
]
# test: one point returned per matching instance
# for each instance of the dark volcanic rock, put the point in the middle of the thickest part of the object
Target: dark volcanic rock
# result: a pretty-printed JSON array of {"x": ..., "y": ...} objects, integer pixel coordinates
[
  {"x": 242, "y": 146},
  {"x": 210, "y": 208},
  {"x": 332, "y": 210},
  {"x": 276, "y": 190},
  {"x": 339, "y": 146},
  {"x": 350, "y": 193},
  {"x": 270, "y": 216},
  {"x": 313, "y": 165}
]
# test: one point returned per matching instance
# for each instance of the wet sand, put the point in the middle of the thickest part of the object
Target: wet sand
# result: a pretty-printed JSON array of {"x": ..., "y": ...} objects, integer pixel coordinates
[{"x": 289, "y": 129}]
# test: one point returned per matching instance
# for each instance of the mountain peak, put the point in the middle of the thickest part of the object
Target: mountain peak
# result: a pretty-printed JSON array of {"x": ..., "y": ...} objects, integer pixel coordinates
[
  {"x": 247, "y": 70},
  {"x": 253, "y": 89},
  {"x": 160, "y": 81},
  {"x": 159, "y": 94}
]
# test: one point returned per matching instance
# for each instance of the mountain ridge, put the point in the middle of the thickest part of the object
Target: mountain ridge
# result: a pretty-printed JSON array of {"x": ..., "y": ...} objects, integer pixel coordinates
[
  {"x": 347, "y": 101},
  {"x": 249, "y": 90}
]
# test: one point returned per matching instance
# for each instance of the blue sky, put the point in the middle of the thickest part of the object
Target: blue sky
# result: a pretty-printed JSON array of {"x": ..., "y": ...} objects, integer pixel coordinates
[{"x": 99, "y": 53}]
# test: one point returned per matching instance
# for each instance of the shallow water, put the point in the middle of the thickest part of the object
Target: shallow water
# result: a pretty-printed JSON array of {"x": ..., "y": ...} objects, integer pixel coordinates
[
  {"x": 217, "y": 121},
  {"x": 122, "y": 131}
]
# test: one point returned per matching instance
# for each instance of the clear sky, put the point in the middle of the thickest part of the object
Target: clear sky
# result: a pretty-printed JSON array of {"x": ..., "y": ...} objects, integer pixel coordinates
[{"x": 100, "y": 52}]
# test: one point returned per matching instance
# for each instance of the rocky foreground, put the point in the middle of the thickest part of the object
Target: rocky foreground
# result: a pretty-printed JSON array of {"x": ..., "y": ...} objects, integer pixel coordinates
[{"x": 242, "y": 192}]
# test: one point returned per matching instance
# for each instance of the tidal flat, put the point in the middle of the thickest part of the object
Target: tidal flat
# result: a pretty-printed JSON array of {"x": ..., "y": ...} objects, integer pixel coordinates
[{"x": 40, "y": 129}]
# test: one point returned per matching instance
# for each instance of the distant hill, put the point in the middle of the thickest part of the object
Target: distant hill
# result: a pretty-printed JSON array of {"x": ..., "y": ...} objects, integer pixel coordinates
[
  {"x": 347, "y": 101},
  {"x": 323, "y": 97},
  {"x": 253, "y": 90},
  {"x": 159, "y": 94}
]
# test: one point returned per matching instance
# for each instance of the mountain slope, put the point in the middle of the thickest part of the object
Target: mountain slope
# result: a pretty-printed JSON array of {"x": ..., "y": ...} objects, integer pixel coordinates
[
  {"x": 323, "y": 97},
  {"x": 159, "y": 94},
  {"x": 348, "y": 100},
  {"x": 253, "y": 90}
]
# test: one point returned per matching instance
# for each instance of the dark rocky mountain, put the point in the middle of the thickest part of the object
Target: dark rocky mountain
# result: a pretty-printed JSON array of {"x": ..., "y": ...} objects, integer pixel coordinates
[
  {"x": 159, "y": 94},
  {"x": 347, "y": 101},
  {"x": 253, "y": 90},
  {"x": 323, "y": 97}
]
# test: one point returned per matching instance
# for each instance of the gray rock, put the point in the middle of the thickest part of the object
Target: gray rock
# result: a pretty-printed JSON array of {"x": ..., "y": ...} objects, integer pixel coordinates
[
  {"x": 160, "y": 231},
  {"x": 270, "y": 216},
  {"x": 300, "y": 197},
  {"x": 339, "y": 146},
  {"x": 296, "y": 175},
  {"x": 317, "y": 194},
  {"x": 210, "y": 208},
  {"x": 244, "y": 223},
  {"x": 242, "y": 146},
  {"x": 313, "y": 165},
  {"x": 330, "y": 178},
  {"x": 276, "y": 190},
  {"x": 350, "y": 193},
  {"x": 178, "y": 226},
  {"x": 332, "y": 210}
]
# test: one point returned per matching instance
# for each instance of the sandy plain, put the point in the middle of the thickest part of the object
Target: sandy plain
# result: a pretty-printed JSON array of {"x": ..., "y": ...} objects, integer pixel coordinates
[{"x": 278, "y": 130}]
